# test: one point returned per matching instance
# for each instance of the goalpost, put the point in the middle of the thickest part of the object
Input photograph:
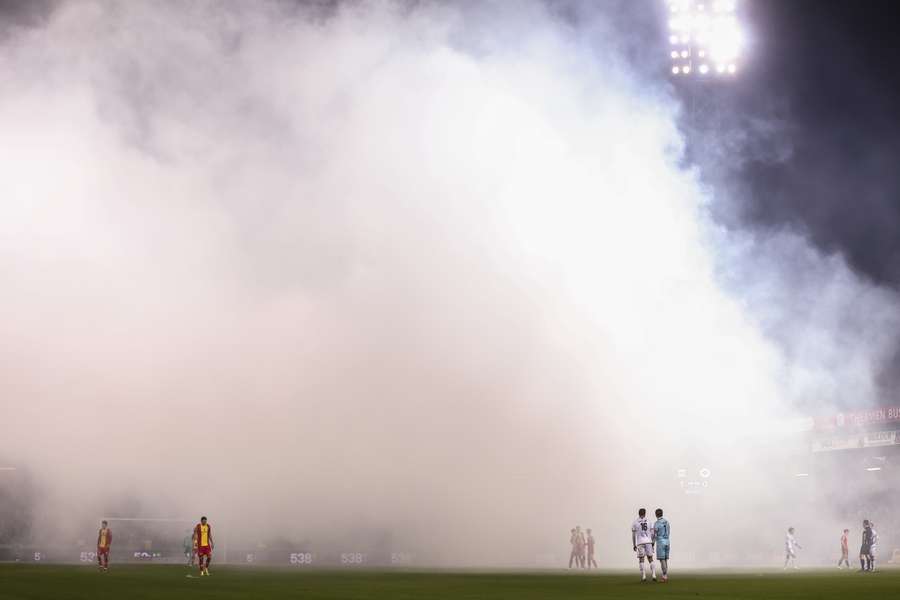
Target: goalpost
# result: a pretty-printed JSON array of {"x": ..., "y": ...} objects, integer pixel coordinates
[{"x": 149, "y": 540}]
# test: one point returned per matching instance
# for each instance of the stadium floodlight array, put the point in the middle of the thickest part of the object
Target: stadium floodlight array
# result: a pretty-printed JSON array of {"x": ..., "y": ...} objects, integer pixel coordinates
[{"x": 704, "y": 38}]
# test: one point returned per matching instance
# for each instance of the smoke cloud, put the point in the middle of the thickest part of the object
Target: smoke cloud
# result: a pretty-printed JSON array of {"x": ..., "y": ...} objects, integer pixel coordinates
[{"x": 428, "y": 271}]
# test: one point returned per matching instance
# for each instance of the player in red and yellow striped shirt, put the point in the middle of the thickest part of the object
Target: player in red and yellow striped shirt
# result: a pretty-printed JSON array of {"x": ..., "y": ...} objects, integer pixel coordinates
[
  {"x": 104, "y": 541},
  {"x": 203, "y": 535}
]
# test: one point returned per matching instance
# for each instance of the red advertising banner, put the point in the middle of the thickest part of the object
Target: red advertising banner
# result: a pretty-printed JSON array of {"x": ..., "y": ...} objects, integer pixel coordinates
[{"x": 859, "y": 419}]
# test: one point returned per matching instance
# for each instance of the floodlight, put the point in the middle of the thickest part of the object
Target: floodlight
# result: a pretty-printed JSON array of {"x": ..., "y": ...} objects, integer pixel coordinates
[
  {"x": 704, "y": 69},
  {"x": 686, "y": 69},
  {"x": 802, "y": 475},
  {"x": 708, "y": 30},
  {"x": 676, "y": 70},
  {"x": 674, "y": 54},
  {"x": 873, "y": 469}
]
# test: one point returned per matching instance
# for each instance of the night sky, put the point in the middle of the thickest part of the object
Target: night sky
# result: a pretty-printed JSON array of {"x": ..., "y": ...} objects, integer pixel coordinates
[{"x": 830, "y": 73}]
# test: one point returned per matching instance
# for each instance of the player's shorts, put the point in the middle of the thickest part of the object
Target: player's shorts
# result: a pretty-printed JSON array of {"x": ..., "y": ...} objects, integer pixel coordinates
[
  {"x": 864, "y": 549},
  {"x": 662, "y": 549},
  {"x": 103, "y": 551},
  {"x": 789, "y": 553},
  {"x": 645, "y": 550},
  {"x": 873, "y": 549},
  {"x": 204, "y": 551}
]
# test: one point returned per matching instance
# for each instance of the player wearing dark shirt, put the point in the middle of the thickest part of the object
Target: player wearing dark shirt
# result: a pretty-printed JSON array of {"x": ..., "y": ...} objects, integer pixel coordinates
[{"x": 865, "y": 549}]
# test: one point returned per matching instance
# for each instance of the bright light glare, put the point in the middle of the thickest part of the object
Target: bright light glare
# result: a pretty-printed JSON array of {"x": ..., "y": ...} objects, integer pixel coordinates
[
  {"x": 704, "y": 69},
  {"x": 686, "y": 69},
  {"x": 674, "y": 54},
  {"x": 709, "y": 29},
  {"x": 723, "y": 6},
  {"x": 802, "y": 475},
  {"x": 873, "y": 468},
  {"x": 725, "y": 40},
  {"x": 676, "y": 70}
]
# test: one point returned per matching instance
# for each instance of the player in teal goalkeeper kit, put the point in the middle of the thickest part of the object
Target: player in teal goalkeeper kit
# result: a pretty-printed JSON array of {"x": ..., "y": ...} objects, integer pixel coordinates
[{"x": 661, "y": 532}]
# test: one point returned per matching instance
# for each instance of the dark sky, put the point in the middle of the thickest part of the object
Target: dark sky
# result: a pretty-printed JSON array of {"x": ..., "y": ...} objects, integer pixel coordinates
[
  {"x": 826, "y": 75},
  {"x": 829, "y": 71}
]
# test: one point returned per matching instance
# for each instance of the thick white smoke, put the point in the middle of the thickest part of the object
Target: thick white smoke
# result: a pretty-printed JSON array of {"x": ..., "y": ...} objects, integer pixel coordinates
[{"x": 434, "y": 271}]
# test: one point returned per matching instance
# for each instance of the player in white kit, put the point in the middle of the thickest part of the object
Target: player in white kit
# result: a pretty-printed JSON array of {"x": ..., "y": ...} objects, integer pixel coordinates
[
  {"x": 790, "y": 549},
  {"x": 642, "y": 540}
]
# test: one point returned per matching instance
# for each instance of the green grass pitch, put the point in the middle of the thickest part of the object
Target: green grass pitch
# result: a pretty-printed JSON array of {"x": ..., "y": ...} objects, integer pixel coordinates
[{"x": 27, "y": 582}]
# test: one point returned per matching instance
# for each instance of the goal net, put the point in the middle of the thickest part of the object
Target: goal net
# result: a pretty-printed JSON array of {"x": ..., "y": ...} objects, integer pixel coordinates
[{"x": 157, "y": 540}]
